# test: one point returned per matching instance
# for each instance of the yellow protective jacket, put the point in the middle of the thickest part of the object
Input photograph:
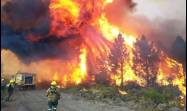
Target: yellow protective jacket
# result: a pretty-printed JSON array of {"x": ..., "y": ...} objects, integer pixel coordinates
[{"x": 53, "y": 94}]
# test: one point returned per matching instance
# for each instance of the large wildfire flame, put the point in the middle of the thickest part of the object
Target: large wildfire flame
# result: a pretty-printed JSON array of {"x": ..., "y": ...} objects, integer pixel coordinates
[
  {"x": 69, "y": 13},
  {"x": 87, "y": 19},
  {"x": 82, "y": 14}
]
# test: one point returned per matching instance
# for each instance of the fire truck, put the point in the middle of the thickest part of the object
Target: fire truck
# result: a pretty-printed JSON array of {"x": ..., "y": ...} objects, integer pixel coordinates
[{"x": 24, "y": 80}]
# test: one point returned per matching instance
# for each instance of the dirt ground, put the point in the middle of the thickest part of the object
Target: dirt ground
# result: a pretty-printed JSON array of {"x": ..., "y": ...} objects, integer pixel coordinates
[{"x": 36, "y": 101}]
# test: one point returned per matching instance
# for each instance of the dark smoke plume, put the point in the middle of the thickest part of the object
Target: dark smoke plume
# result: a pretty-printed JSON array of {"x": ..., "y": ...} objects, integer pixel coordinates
[
  {"x": 24, "y": 14},
  {"x": 27, "y": 20},
  {"x": 47, "y": 47},
  {"x": 25, "y": 25}
]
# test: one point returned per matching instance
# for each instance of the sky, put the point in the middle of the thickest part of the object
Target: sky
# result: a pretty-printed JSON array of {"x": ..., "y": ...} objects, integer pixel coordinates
[{"x": 165, "y": 9}]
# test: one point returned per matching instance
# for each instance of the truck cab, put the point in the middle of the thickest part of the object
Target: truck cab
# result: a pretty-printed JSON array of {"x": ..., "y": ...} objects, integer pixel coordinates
[{"x": 25, "y": 80}]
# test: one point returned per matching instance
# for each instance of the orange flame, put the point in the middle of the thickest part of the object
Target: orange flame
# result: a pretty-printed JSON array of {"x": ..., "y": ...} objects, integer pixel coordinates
[{"x": 67, "y": 15}]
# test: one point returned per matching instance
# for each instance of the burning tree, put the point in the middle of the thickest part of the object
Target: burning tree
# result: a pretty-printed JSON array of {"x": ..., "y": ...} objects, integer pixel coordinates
[
  {"x": 102, "y": 71},
  {"x": 75, "y": 22},
  {"x": 118, "y": 55},
  {"x": 146, "y": 61}
]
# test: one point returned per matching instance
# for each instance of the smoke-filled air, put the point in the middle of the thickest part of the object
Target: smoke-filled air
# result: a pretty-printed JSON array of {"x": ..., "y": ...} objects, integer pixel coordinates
[{"x": 77, "y": 42}]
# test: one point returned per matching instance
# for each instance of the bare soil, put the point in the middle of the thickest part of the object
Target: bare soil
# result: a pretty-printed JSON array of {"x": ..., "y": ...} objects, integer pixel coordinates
[{"x": 35, "y": 100}]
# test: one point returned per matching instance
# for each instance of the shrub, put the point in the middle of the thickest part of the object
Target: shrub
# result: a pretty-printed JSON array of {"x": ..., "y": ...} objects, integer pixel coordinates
[
  {"x": 161, "y": 94},
  {"x": 154, "y": 95},
  {"x": 72, "y": 90}
]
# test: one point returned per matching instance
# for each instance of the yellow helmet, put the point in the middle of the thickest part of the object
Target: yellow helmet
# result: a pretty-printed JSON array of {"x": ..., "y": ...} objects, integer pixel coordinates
[
  {"x": 11, "y": 81},
  {"x": 53, "y": 83}
]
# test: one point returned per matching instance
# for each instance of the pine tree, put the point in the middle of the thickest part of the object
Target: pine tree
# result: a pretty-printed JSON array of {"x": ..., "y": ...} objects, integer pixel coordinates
[
  {"x": 146, "y": 61},
  {"x": 117, "y": 56}
]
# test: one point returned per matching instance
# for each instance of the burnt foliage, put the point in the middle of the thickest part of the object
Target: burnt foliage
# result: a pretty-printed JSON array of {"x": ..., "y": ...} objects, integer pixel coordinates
[{"x": 146, "y": 61}]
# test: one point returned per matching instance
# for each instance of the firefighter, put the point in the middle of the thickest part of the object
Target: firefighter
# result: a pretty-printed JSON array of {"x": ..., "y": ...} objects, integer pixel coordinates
[
  {"x": 3, "y": 88},
  {"x": 53, "y": 96},
  {"x": 10, "y": 90}
]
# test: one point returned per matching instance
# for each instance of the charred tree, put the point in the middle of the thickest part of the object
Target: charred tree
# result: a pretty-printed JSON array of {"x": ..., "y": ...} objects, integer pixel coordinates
[
  {"x": 178, "y": 50},
  {"x": 146, "y": 61},
  {"x": 118, "y": 55}
]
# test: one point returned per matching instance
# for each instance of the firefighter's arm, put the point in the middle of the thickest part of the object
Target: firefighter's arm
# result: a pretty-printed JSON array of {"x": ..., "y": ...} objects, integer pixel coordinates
[{"x": 47, "y": 92}]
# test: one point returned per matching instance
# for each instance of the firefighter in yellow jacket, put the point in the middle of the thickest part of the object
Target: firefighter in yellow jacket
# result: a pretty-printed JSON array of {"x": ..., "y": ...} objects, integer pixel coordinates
[
  {"x": 10, "y": 89},
  {"x": 53, "y": 95}
]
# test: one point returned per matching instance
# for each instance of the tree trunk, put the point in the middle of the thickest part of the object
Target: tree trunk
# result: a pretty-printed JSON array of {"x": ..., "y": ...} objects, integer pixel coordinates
[
  {"x": 121, "y": 85},
  {"x": 147, "y": 75}
]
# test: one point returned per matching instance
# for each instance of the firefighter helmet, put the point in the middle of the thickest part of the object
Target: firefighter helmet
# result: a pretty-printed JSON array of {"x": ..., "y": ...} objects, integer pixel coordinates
[
  {"x": 53, "y": 83},
  {"x": 11, "y": 81}
]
